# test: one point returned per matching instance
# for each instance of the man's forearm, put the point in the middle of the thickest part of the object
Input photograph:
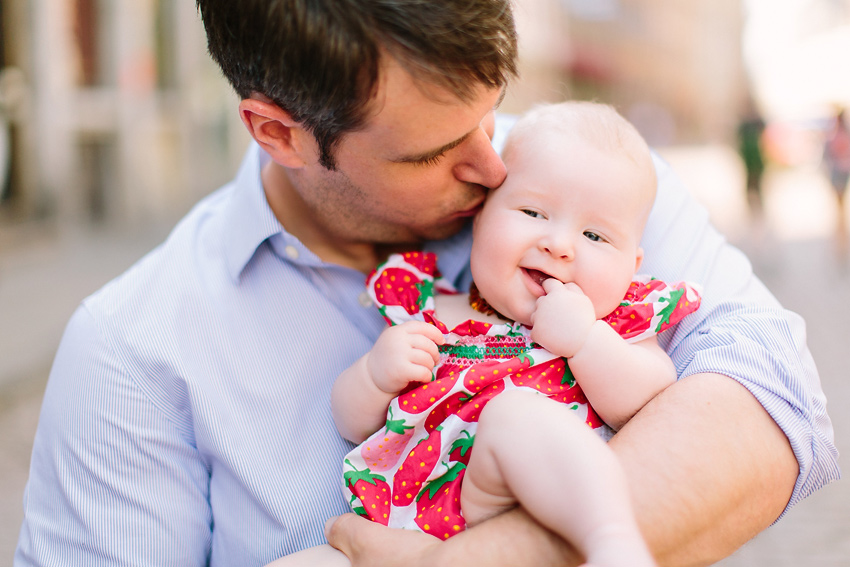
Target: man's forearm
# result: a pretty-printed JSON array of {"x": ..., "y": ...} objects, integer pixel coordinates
[
  {"x": 510, "y": 539},
  {"x": 709, "y": 469}
]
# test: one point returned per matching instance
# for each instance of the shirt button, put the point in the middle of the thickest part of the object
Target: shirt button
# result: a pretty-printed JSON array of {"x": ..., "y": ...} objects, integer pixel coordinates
[
  {"x": 364, "y": 299},
  {"x": 292, "y": 252}
]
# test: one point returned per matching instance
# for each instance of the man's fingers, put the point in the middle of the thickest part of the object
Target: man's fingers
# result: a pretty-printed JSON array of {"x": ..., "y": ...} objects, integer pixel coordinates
[
  {"x": 349, "y": 532},
  {"x": 339, "y": 532},
  {"x": 369, "y": 543}
]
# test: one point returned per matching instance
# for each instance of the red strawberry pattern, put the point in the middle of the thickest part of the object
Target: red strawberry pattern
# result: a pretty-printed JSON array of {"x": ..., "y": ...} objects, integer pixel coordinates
[
  {"x": 423, "y": 397},
  {"x": 651, "y": 306},
  {"x": 423, "y": 451},
  {"x": 438, "y": 505},
  {"x": 422, "y": 261},
  {"x": 461, "y": 449},
  {"x": 396, "y": 286},
  {"x": 423, "y": 457},
  {"x": 370, "y": 494},
  {"x": 632, "y": 320}
]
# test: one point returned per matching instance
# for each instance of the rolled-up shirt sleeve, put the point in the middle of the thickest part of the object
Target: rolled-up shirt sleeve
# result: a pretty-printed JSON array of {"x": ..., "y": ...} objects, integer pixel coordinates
[{"x": 740, "y": 330}]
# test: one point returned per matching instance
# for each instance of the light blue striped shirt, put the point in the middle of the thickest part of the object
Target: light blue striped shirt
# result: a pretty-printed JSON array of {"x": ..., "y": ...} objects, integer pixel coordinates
[{"x": 187, "y": 417}]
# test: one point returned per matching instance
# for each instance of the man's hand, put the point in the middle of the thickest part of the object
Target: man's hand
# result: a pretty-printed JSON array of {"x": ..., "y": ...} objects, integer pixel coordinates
[
  {"x": 513, "y": 538},
  {"x": 403, "y": 354},
  {"x": 368, "y": 543},
  {"x": 562, "y": 319}
]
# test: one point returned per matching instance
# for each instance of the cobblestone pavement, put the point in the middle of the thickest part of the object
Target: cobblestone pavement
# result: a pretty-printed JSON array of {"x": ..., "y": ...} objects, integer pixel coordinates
[{"x": 42, "y": 280}]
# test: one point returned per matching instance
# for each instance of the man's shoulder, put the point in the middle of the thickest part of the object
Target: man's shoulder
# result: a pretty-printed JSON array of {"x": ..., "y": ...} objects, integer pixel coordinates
[{"x": 159, "y": 281}]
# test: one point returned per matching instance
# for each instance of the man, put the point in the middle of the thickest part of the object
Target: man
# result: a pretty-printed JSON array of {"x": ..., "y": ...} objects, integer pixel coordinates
[{"x": 187, "y": 418}]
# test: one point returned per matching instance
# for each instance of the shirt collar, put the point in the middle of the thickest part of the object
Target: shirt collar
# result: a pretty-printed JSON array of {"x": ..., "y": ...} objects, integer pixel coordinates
[{"x": 248, "y": 219}]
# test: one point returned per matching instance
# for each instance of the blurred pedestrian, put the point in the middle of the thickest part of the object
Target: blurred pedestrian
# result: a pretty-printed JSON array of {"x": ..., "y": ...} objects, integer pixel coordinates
[
  {"x": 836, "y": 159},
  {"x": 750, "y": 132}
]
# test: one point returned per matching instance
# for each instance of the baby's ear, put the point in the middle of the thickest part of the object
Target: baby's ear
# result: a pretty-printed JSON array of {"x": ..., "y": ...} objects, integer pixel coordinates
[{"x": 638, "y": 258}]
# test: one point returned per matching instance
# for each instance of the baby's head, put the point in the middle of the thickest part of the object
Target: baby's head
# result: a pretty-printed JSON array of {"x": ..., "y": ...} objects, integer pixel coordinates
[{"x": 578, "y": 192}]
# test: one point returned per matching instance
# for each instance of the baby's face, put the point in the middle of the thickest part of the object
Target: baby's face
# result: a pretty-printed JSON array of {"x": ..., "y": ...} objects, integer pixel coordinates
[{"x": 567, "y": 210}]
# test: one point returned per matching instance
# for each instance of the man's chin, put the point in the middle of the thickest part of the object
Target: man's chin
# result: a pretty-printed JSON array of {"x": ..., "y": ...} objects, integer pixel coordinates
[
  {"x": 446, "y": 230},
  {"x": 412, "y": 237}
]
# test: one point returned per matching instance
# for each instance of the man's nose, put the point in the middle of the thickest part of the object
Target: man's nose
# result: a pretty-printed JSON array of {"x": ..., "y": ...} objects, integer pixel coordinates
[{"x": 480, "y": 164}]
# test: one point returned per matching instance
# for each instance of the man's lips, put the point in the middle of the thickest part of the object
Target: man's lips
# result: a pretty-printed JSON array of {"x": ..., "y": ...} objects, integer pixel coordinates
[{"x": 470, "y": 212}]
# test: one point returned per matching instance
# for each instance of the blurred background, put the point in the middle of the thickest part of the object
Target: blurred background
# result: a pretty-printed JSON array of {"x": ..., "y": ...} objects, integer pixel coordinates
[{"x": 113, "y": 122}]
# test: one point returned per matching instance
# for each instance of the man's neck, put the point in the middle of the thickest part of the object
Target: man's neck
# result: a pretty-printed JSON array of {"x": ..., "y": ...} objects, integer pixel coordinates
[{"x": 302, "y": 223}]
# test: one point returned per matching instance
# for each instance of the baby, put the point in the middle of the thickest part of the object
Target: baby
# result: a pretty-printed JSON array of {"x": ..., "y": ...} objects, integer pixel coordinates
[{"x": 471, "y": 404}]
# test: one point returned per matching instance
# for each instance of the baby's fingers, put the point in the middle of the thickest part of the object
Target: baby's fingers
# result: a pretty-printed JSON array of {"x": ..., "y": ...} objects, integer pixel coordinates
[
  {"x": 426, "y": 330},
  {"x": 573, "y": 287},
  {"x": 427, "y": 347},
  {"x": 551, "y": 285},
  {"x": 421, "y": 366}
]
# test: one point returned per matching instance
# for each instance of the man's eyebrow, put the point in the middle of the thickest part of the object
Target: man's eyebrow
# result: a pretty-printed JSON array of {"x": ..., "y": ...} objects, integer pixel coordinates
[{"x": 431, "y": 154}]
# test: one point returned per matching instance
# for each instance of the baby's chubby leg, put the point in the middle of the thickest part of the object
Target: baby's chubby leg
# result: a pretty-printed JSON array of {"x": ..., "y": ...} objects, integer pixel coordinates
[
  {"x": 319, "y": 556},
  {"x": 535, "y": 452}
]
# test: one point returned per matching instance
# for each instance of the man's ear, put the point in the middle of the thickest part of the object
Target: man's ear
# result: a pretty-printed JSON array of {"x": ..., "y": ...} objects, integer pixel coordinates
[
  {"x": 284, "y": 139},
  {"x": 638, "y": 258}
]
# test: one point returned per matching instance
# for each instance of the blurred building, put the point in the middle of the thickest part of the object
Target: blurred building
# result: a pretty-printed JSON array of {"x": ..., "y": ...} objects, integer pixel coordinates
[
  {"x": 674, "y": 68},
  {"x": 112, "y": 110},
  {"x": 795, "y": 53}
]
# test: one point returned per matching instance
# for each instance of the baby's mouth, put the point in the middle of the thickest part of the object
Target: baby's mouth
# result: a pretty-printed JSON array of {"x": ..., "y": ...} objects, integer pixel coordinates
[{"x": 537, "y": 276}]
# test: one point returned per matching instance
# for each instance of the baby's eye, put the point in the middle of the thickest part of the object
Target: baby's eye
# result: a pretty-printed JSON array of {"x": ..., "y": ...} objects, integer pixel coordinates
[
  {"x": 533, "y": 214},
  {"x": 593, "y": 236}
]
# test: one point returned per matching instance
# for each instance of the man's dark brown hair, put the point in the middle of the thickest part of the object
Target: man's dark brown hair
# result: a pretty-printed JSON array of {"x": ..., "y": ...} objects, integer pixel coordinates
[{"x": 318, "y": 59}]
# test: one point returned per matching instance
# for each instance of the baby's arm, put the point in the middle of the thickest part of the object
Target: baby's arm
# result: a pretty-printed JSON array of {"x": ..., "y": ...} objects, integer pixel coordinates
[
  {"x": 361, "y": 394},
  {"x": 617, "y": 377}
]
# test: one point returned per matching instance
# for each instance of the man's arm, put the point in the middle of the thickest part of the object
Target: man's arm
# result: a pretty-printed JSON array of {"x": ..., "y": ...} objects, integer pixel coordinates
[
  {"x": 708, "y": 469},
  {"x": 112, "y": 478},
  {"x": 707, "y": 466}
]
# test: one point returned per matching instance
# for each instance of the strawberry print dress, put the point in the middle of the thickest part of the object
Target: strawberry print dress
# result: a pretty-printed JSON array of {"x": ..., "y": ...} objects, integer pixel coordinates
[{"x": 409, "y": 474}]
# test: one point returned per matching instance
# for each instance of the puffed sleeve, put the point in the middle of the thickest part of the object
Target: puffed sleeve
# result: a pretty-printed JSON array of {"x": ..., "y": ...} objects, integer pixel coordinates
[{"x": 403, "y": 287}]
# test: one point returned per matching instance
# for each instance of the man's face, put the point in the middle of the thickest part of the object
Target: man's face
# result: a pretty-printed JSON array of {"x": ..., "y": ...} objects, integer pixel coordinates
[{"x": 419, "y": 169}]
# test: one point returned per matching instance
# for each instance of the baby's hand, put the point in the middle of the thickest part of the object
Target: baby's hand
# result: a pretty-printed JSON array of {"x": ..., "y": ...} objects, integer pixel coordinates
[
  {"x": 563, "y": 318},
  {"x": 404, "y": 353}
]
